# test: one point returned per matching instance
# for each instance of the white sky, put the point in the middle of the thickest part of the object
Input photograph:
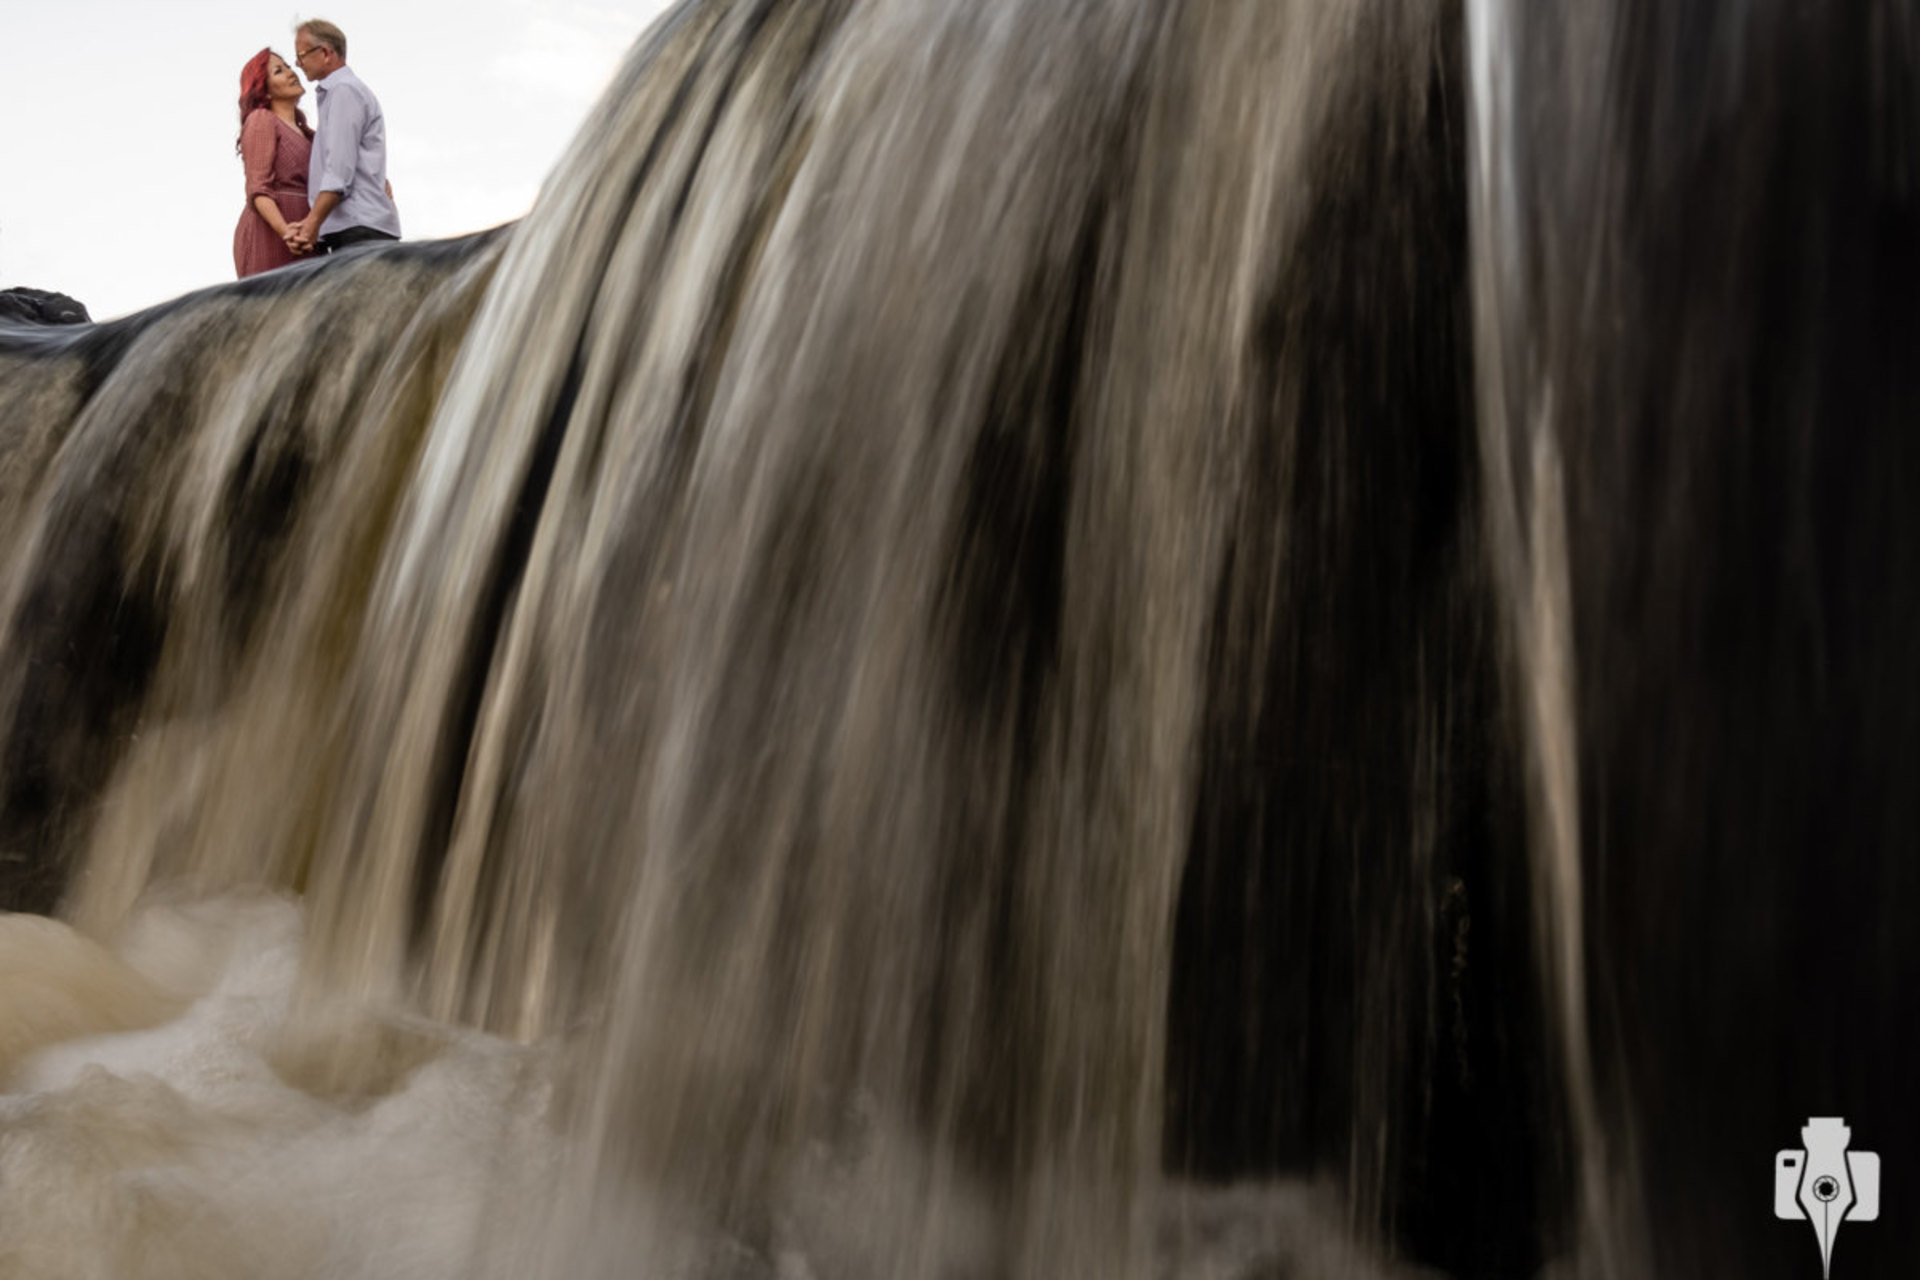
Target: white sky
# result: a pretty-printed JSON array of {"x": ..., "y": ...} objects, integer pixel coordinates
[{"x": 118, "y": 180}]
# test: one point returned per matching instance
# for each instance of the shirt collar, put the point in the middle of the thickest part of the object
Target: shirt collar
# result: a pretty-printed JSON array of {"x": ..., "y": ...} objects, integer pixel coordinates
[{"x": 341, "y": 77}]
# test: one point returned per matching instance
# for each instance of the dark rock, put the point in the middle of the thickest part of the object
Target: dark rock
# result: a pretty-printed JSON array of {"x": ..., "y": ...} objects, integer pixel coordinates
[{"x": 40, "y": 306}]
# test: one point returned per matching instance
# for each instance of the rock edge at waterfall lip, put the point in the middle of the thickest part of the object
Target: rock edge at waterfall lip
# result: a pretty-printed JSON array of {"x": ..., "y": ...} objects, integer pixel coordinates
[{"x": 21, "y": 305}]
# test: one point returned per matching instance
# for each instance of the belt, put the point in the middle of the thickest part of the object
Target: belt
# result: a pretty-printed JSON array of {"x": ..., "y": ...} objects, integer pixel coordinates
[{"x": 337, "y": 240}]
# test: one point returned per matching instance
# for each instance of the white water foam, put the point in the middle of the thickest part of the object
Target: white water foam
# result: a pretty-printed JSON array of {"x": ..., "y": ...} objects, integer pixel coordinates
[
  {"x": 182, "y": 1150},
  {"x": 153, "y": 1126}
]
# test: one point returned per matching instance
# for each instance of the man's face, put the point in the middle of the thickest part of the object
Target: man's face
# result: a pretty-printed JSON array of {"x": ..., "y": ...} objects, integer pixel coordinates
[{"x": 316, "y": 61}]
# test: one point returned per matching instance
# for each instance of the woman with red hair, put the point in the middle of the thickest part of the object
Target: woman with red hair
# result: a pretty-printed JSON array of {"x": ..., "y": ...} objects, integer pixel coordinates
[{"x": 275, "y": 142}]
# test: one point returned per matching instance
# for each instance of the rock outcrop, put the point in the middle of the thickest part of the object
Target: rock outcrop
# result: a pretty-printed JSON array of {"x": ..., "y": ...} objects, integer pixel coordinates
[{"x": 41, "y": 306}]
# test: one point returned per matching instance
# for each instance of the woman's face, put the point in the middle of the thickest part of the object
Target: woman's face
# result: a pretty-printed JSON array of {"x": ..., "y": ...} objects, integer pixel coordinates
[{"x": 282, "y": 82}]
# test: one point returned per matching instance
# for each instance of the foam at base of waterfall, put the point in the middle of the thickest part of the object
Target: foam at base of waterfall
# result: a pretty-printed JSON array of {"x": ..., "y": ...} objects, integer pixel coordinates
[
  {"x": 181, "y": 1151},
  {"x": 178, "y": 1151}
]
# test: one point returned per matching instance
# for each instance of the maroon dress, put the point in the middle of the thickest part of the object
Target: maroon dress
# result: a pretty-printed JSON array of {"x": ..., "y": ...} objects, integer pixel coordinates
[{"x": 275, "y": 154}]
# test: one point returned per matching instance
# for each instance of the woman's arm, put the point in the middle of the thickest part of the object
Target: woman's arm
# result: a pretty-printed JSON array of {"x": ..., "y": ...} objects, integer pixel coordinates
[
  {"x": 271, "y": 212},
  {"x": 257, "y": 143}
]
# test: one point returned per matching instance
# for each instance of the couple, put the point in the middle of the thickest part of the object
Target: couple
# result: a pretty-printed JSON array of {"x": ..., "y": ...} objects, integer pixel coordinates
[{"x": 310, "y": 190}]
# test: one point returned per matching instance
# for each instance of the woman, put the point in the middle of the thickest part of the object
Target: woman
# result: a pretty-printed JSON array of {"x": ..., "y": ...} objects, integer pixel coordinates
[{"x": 274, "y": 144}]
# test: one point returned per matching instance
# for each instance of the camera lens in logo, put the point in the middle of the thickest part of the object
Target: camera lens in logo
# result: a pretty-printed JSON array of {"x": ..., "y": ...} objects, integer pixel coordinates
[{"x": 1826, "y": 1189}]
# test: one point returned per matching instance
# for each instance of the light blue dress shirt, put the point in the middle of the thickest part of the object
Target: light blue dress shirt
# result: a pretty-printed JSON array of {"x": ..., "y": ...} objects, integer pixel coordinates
[{"x": 350, "y": 156}]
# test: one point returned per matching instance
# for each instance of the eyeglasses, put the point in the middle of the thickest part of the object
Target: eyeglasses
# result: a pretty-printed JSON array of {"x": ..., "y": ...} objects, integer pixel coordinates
[{"x": 302, "y": 56}]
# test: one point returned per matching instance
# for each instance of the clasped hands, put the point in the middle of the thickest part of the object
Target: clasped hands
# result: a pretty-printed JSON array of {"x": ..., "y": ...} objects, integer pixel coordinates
[{"x": 300, "y": 236}]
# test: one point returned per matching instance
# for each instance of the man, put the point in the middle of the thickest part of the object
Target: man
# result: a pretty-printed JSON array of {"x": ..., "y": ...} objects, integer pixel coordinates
[{"x": 347, "y": 177}]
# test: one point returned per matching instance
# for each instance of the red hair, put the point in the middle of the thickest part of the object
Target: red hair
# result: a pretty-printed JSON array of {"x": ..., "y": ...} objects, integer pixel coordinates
[{"x": 254, "y": 93}]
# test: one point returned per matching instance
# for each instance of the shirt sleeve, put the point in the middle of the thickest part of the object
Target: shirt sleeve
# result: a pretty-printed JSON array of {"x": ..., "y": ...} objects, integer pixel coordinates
[
  {"x": 346, "y": 121},
  {"x": 257, "y": 142}
]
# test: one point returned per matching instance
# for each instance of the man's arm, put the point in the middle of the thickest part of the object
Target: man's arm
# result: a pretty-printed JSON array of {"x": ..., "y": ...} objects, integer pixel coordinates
[{"x": 345, "y": 121}]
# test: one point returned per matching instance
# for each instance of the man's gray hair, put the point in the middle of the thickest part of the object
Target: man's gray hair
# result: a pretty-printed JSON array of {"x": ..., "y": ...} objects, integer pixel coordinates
[{"x": 324, "y": 32}]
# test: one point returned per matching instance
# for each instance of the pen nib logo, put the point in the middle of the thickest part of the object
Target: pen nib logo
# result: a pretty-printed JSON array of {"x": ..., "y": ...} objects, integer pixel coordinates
[{"x": 1826, "y": 1184}]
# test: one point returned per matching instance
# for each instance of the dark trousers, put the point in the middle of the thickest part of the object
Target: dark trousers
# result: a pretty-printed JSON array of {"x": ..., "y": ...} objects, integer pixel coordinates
[{"x": 351, "y": 235}]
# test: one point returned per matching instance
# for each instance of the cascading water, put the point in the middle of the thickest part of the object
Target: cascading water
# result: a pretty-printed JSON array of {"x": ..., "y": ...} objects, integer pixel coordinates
[{"x": 1062, "y": 638}]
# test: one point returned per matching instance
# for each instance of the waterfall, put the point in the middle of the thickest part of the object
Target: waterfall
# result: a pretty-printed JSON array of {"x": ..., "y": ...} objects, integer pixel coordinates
[{"x": 1065, "y": 638}]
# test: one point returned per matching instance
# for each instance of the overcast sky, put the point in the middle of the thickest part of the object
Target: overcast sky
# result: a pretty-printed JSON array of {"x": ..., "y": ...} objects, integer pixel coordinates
[{"x": 118, "y": 180}]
